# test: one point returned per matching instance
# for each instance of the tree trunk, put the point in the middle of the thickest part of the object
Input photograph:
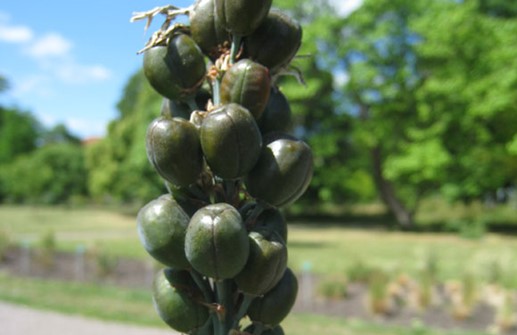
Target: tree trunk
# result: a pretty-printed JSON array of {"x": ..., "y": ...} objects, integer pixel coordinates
[{"x": 386, "y": 190}]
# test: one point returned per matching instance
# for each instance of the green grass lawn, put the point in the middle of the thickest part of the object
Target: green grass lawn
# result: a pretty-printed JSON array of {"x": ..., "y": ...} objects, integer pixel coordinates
[
  {"x": 134, "y": 306},
  {"x": 321, "y": 248},
  {"x": 325, "y": 249}
]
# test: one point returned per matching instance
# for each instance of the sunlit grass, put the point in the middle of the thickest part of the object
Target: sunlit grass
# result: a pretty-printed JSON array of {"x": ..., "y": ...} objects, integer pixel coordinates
[
  {"x": 134, "y": 306},
  {"x": 321, "y": 248}
]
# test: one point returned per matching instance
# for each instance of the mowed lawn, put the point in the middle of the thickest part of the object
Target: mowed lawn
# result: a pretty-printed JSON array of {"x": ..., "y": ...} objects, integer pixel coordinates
[{"x": 323, "y": 249}]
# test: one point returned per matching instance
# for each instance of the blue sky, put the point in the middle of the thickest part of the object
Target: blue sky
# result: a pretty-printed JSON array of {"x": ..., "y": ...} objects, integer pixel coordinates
[{"x": 68, "y": 61}]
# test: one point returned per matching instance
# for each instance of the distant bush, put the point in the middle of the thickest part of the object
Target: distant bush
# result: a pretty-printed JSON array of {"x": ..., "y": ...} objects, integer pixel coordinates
[
  {"x": 5, "y": 242},
  {"x": 333, "y": 288},
  {"x": 359, "y": 271},
  {"x": 47, "y": 245},
  {"x": 54, "y": 173}
]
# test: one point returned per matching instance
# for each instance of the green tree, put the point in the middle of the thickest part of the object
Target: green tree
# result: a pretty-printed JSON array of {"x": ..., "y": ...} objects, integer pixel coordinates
[
  {"x": 498, "y": 8},
  {"x": 118, "y": 164},
  {"x": 433, "y": 90},
  {"x": 340, "y": 173},
  {"x": 57, "y": 134},
  {"x": 52, "y": 174},
  {"x": 19, "y": 131},
  {"x": 469, "y": 100}
]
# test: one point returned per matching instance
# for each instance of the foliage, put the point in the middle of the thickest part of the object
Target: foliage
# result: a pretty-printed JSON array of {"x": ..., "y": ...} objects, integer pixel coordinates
[
  {"x": 431, "y": 89},
  {"x": 333, "y": 288},
  {"x": 53, "y": 174},
  {"x": 118, "y": 163},
  {"x": 18, "y": 133},
  {"x": 47, "y": 249},
  {"x": 340, "y": 173},
  {"x": 5, "y": 243}
]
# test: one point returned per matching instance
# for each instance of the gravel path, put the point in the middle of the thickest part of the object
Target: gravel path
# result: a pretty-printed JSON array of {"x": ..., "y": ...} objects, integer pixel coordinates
[{"x": 19, "y": 320}]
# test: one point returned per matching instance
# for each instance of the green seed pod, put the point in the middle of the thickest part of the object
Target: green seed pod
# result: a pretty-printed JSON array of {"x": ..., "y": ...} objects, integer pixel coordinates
[
  {"x": 177, "y": 70},
  {"x": 277, "y": 114},
  {"x": 276, "y": 304},
  {"x": 248, "y": 84},
  {"x": 231, "y": 141},
  {"x": 162, "y": 225},
  {"x": 266, "y": 264},
  {"x": 275, "y": 42},
  {"x": 206, "y": 28},
  {"x": 173, "y": 148},
  {"x": 284, "y": 162},
  {"x": 176, "y": 108},
  {"x": 272, "y": 220},
  {"x": 216, "y": 243},
  {"x": 242, "y": 17},
  {"x": 178, "y": 301},
  {"x": 278, "y": 330}
]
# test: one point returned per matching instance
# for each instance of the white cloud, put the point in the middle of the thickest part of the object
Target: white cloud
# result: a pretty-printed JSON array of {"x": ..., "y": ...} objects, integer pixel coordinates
[
  {"x": 345, "y": 7},
  {"x": 15, "y": 34},
  {"x": 12, "y": 33},
  {"x": 86, "y": 127},
  {"x": 73, "y": 73},
  {"x": 50, "y": 45}
]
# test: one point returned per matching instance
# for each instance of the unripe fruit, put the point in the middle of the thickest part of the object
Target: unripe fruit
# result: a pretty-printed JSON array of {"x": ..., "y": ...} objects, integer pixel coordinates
[
  {"x": 248, "y": 84},
  {"x": 174, "y": 150},
  {"x": 178, "y": 301},
  {"x": 266, "y": 263},
  {"x": 275, "y": 42},
  {"x": 176, "y": 108},
  {"x": 206, "y": 28},
  {"x": 284, "y": 162},
  {"x": 275, "y": 305},
  {"x": 216, "y": 243},
  {"x": 242, "y": 17},
  {"x": 277, "y": 114},
  {"x": 175, "y": 71},
  {"x": 273, "y": 221},
  {"x": 231, "y": 141},
  {"x": 162, "y": 225}
]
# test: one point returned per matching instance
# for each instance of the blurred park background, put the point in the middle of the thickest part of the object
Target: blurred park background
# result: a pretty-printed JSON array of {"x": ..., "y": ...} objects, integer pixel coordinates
[{"x": 410, "y": 108}]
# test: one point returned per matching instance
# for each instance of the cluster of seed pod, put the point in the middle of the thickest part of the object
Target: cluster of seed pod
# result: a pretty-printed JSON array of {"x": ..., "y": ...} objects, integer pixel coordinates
[{"x": 222, "y": 146}]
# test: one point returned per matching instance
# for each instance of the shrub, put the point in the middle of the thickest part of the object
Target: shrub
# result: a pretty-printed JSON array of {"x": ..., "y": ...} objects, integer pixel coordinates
[{"x": 333, "y": 288}]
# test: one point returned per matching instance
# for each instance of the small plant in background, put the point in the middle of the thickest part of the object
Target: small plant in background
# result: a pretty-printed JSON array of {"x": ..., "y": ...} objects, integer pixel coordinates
[
  {"x": 105, "y": 263},
  {"x": 427, "y": 280},
  {"x": 464, "y": 297},
  {"x": 506, "y": 314},
  {"x": 333, "y": 288},
  {"x": 473, "y": 229},
  {"x": 5, "y": 243},
  {"x": 359, "y": 271},
  {"x": 47, "y": 245},
  {"x": 378, "y": 298}
]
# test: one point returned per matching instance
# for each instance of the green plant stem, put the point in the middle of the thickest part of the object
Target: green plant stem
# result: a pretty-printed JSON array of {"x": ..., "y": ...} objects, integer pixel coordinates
[
  {"x": 259, "y": 328},
  {"x": 192, "y": 104},
  {"x": 229, "y": 189},
  {"x": 248, "y": 298},
  {"x": 236, "y": 43},
  {"x": 257, "y": 210},
  {"x": 216, "y": 92},
  {"x": 203, "y": 285},
  {"x": 224, "y": 298}
]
